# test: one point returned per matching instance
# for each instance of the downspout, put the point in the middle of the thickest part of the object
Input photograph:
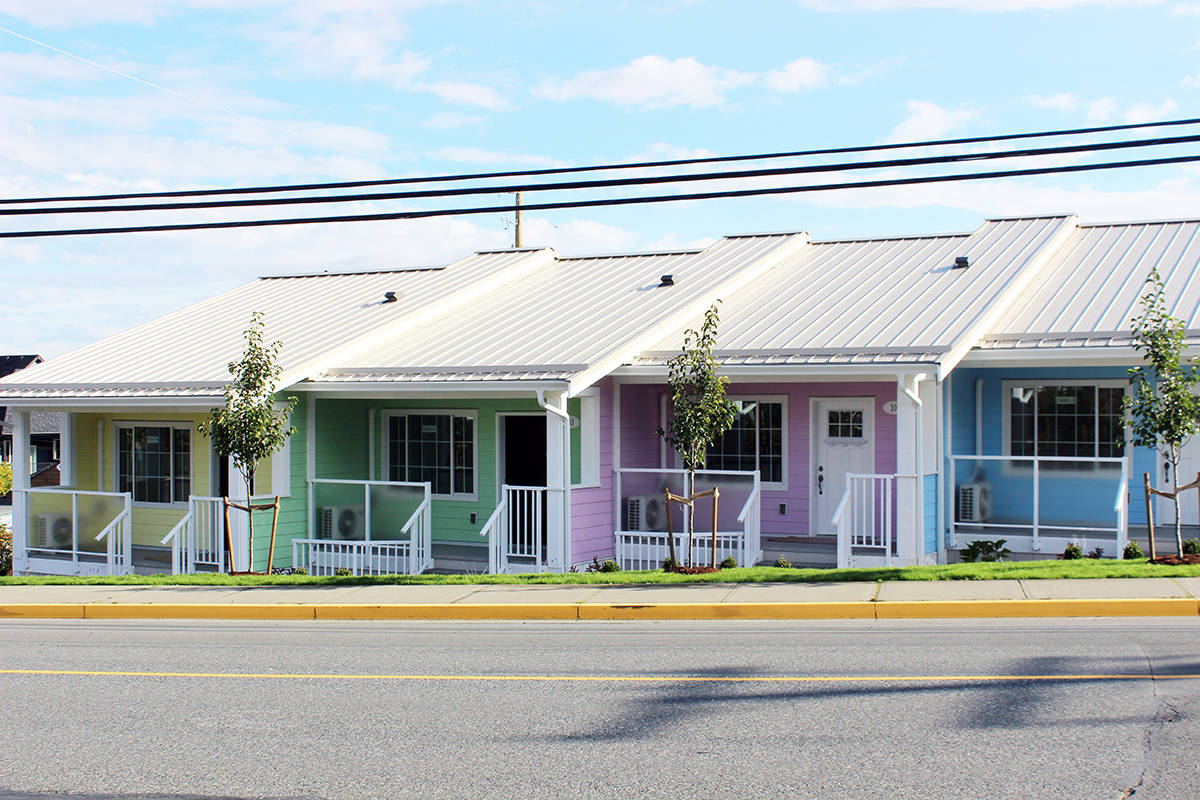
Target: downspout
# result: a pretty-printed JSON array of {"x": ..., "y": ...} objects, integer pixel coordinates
[{"x": 919, "y": 479}]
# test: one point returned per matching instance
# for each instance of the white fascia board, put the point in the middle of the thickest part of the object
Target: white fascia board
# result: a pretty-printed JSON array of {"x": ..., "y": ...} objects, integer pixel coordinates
[
  {"x": 990, "y": 316},
  {"x": 653, "y": 334},
  {"x": 814, "y": 373},
  {"x": 434, "y": 389},
  {"x": 469, "y": 293},
  {"x": 1078, "y": 357},
  {"x": 94, "y": 404}
]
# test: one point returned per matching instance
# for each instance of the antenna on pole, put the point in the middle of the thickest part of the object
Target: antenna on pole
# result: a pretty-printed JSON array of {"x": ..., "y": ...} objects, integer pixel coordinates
[{"x": 517, "y": 231}]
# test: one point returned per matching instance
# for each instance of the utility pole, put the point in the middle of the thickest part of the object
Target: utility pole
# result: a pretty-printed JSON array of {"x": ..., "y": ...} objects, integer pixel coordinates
[{"x": 517, "y": 232}]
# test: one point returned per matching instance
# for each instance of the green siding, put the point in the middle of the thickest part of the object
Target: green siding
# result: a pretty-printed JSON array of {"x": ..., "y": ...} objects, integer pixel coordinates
[
  {"x": 293, "y": 510},
  {"x": 342, "y": 451}
]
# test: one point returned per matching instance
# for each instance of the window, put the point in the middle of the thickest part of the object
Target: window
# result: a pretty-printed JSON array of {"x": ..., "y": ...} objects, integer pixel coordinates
[
  {"x": 154, "y": 462},
  {"x": 1066, "y": 420},
  {"x": 438, "y": 447},
  {"x": 754, "y": 442},
  {"x": 845, "y": 424}
]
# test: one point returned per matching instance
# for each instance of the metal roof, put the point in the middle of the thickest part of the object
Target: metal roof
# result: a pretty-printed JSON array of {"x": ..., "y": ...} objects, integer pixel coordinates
[
  {"x": 1088, "y": 294},
  {"x": 878, "y": 300},
  {"x": 574, "y": 311},
  {"x": 187, "y": 352}
]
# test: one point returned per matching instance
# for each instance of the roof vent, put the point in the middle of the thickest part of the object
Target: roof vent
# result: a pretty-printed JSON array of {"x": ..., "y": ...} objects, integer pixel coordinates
[
  {"x": 961, "y": 262},
  {"x": 390, "y": 297},
  {"x": 667, "y": 280}
]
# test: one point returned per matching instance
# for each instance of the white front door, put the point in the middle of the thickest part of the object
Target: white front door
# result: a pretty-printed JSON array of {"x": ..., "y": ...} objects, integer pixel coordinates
[{"x": 843, "y": 440}]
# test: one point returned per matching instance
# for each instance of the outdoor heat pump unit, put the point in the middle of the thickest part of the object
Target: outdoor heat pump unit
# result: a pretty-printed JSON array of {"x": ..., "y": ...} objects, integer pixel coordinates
[
  {"x": 974, "y": 502},
  {"x": 645, "y": 512},
  {"x": 342, "y": 522},
  {"x": 54, "y": 531}
]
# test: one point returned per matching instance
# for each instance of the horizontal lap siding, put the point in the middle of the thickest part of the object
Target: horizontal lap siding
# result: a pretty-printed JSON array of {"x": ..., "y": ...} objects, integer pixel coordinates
[
  {"x": 1060, "y": 498},
  {"x": 592, "y": 526},
  {"x": 639, "y": 441},
  {"x": 929, "y": 502}
]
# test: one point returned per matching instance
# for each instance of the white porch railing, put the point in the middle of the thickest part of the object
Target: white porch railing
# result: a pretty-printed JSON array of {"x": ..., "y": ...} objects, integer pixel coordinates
[
  {"x": 76, "y": 532},
  {"x": 516, "y": 530},
  {"x": 1009, "y": 497},
  {"x": 407, "y": 551},
  {"x": 865, "y": 517},
  {"x": 739, "y": 537},
  {"x": 199, "y": 538}
]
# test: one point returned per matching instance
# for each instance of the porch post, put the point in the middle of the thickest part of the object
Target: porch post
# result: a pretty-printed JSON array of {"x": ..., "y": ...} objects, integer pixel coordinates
[
  {"x": 558, "y": 478},
  {"x": 238, "y": 524},
  {"x": 908, "y": 467},
  {"x": 67, "y": 470},
  {"x": 20, "y": 481}
]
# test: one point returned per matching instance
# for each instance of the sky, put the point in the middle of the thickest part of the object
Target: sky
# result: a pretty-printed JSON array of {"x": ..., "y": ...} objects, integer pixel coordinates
[{"x": 146, "y": 95}]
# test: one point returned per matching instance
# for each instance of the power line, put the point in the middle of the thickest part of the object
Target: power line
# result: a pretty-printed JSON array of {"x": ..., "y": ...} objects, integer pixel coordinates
[
  {"x": 450, "y": 178},
  {"x": 611, "y": 182},
  {"x": 613, "y": 201}
]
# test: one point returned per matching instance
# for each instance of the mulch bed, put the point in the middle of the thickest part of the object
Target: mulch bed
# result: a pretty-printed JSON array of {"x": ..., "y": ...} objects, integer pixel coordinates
[
  {"x": 695, "y": 570},
  {"x": 1175, "y": 561}
]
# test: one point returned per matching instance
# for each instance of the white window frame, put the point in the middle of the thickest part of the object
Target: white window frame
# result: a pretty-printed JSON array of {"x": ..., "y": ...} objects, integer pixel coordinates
[
  {"x": 119, "y": 425},
  {"x": 470, "y": 413},
  {"x": 1006, "y": 388},
  {"x": 782, "y": 484},
  {"x": 589, "y": 441}
]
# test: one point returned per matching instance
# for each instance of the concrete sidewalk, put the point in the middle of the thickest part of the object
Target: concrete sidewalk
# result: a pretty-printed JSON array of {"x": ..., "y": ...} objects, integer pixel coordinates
[{"x": 892, "y": 599}]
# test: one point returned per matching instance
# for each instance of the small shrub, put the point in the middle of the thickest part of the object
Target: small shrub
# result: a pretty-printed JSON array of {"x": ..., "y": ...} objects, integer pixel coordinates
[
  {"x": 728, "y": 563},
  {"x": 1133, "y": 551},
  {"x": 782, "y": 563},
  {"x": 608, "y": 565},
  {"x": 1191, "y": 547},
  {"x": 5, "y": 478},
  {"x": 575, "y": 568},
  {"x": 1071, "y": 552},
  {"x": 6, "y": 554},
  {"x": 985, "y": 550},
  {"x": 342, "y": 572},
  {"x": 299, "y": 571},
  {"x": 1097, "y": 553},
  {"x": 670, "y": 564}
]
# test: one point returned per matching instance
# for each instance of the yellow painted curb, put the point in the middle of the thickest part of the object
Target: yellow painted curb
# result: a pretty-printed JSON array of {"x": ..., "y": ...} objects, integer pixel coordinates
[
  {"x": 264, "y": 611},
  {"x": 41, "y": 610},
  {"x": 449, "y": 611},
  {"x": 1099, "y": 607},
  {"x": 710, "y": 611},
  {"x": 911, "y": 609}
]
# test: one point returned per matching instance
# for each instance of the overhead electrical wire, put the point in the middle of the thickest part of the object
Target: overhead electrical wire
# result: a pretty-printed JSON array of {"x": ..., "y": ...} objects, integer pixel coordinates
[
  {"x": 451, "y": 178},
  {"x": 612, "y": 182},
  {"x": 612, "y": 201}
]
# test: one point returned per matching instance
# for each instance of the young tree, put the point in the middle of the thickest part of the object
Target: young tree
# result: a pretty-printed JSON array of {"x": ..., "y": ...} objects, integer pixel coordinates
[
  {"x": 700, "y": 412},
  {"x": 249, "y": 427},
  {"x": 1164, "y": 413}
]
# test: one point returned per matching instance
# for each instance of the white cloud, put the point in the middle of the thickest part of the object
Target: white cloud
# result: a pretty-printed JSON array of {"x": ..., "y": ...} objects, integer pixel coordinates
[
  {"x": 801, "y": 74},
  {"x": 651, "y": 82},
  {"x": 475, "y": 155},
  {"x": 965, "y": 5},
  {"x": 930, "y": 121},
  {"x": 1100, "y": 110},
  {"x": 577, "y": 237},
  {"x": 1191, "y": 81},
  {"x": 1189, "y": 9},
  {"x": 1147, "y": 112},
  {"x": 448, "y": 120},
  {"x": 23, "y": 69},
  {"x": 470, "y": 94},
  {"x": 1063, "y": 101}
]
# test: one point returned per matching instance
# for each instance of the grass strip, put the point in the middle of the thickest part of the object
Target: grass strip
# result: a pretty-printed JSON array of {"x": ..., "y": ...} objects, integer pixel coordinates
[{"x": 1018, "y": 570}]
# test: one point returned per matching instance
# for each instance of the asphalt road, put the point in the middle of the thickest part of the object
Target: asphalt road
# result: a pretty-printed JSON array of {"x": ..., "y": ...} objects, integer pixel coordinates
[{"x": 936, "y": 709}]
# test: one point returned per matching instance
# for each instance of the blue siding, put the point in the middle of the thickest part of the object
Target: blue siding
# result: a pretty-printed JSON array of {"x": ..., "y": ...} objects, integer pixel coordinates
[
  {"x": 930, "y": 504},
  {"x": 1078, "y": 497}
]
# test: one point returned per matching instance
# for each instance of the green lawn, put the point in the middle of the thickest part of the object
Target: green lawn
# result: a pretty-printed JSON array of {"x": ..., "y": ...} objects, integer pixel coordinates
[{"x": 1026, "y": 570}]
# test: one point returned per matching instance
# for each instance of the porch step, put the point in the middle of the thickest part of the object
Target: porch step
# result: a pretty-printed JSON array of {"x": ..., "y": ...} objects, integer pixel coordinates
[{"x": 801, "y": 551}]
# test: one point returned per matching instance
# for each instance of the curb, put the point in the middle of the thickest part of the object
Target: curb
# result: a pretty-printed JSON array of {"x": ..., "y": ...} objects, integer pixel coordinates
[{"x": 910, "y": 609}]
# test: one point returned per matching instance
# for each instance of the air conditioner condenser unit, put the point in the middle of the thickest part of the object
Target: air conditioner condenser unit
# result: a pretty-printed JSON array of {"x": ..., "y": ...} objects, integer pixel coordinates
[
  {"x": 645, "y": 512},
  {"x": 54, "y": 531},
  {"x": 347, "y": 523},
  {"x": 974, "y": 502}
]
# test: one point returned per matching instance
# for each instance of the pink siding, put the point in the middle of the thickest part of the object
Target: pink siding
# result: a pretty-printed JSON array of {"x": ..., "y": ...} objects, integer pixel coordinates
[
  {"x": 592, "y": 509},
  {"x": 640, "y": 412}
]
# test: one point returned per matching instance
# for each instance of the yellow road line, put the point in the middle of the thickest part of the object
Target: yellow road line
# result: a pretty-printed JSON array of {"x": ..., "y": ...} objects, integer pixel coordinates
[{"x": 613, "y": 678}]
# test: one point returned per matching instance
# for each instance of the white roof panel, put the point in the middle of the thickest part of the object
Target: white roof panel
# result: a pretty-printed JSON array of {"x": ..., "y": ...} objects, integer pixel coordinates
[{"x": 1094, "y": 284}]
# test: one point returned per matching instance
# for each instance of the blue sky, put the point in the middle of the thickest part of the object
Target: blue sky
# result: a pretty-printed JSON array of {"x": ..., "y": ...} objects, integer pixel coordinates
[{"x": 265, "y": 91}]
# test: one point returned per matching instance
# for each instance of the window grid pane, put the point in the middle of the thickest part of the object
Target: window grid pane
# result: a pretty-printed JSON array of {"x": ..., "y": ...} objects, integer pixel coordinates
[
  {"x": 435, "y": 448},
  {"x": 1066, "y": 421},
  {"x": 754, "y": 442}
]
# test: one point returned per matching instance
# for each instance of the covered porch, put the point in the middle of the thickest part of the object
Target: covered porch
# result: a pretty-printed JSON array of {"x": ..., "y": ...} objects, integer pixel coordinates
[{"x": 806, "y": 459}]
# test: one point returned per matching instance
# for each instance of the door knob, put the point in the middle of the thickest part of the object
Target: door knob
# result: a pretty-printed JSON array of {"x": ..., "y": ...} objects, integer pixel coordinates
[{"x": 820, "y": 481}]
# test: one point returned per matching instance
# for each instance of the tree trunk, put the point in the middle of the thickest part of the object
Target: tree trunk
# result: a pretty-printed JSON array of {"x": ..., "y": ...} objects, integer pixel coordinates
[
  {"x": 1175, "y": 499},
  {"x": 1149, "y": 515},
  {"x": 690, "y": 513}
]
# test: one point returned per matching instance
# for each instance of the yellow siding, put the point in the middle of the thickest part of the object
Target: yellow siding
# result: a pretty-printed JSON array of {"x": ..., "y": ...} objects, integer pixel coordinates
[{"x": 150, "y": 522}]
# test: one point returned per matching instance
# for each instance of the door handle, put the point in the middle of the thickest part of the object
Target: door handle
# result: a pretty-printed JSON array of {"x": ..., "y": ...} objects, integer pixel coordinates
[{"x": 820, "y": 481}]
